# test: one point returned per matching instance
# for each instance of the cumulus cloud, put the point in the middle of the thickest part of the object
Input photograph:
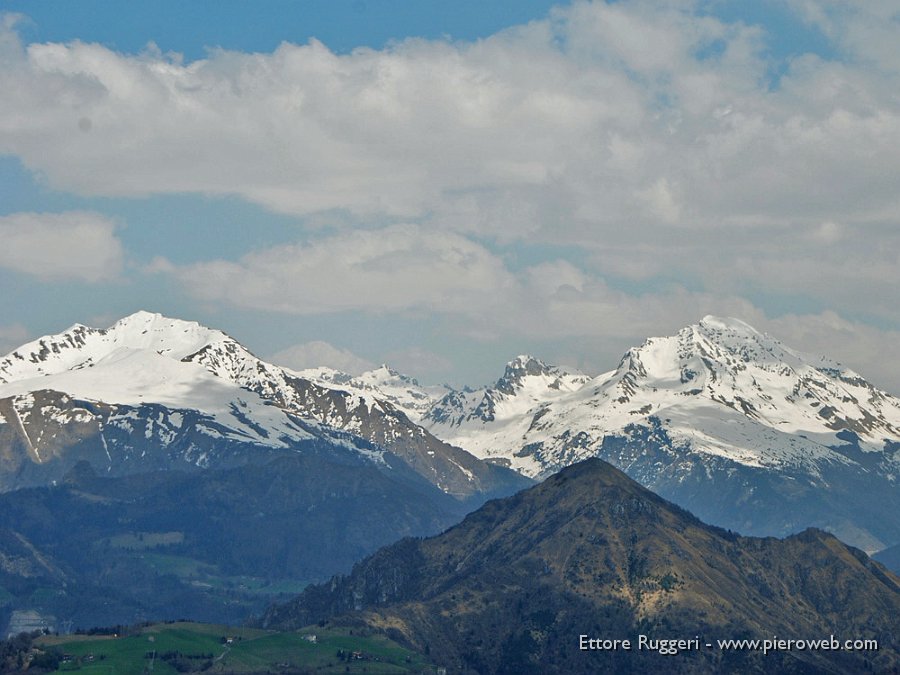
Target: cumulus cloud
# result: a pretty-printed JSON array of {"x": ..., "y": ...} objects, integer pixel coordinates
[
  {"x": 469, "y": 290},
  {"x": 319, "y": 353},
  {"x": 50, "y": 246},
  {"x": 865, "y": 31},
  {"x": 605, "y": 125},
  {"x": 849, "y": 268}
]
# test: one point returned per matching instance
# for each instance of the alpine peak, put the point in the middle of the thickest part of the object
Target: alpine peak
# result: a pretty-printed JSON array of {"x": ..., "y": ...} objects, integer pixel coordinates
[
  {"x": 384, "y": 375},
  {"x": 519, "y": 368},
  {"x": 526, "y": 382},
  {"x": 528, "y": 363},
  {"x": 82, "y": 346}
]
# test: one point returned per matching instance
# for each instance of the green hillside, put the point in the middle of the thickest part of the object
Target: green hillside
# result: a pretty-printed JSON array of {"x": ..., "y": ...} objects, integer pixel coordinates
[{"x": 193, "y": 647}]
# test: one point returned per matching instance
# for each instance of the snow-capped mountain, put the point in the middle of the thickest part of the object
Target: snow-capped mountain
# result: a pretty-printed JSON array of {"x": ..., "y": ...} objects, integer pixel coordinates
[
  {"x": 384, "y": 383},
  {"x": 720, "y": 418},
  {"x": 150, "y": 387},
  {"x": 142, "y": 359},
  {"x": 486, "y": 420}
]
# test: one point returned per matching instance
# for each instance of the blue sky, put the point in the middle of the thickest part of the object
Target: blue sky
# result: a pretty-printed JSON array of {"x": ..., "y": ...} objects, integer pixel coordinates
[
  {"x": 192, "y": 28},
  {"x": 445, "y": 185}
]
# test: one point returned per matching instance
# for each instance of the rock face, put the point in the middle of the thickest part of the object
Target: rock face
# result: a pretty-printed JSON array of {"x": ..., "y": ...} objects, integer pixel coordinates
[
  {"x": 590, "y": 552},
  {"x": 720, "y": 418},
  {"x": 152, "y": 392}
]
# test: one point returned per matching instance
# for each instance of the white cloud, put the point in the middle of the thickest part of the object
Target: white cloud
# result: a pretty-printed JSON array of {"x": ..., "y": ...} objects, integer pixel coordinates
[
  {"x": 866, "y": 31},
  {"x": 461, "y": 287},
  {"x": 72, "y": 245},
  {"x": 408, "y": 270},
  {"x": 604, "y": 107},
  {"x": 851, "y": 269},
  {"x": 319, "y": 353},
  {"x": 400, "y": 268}
]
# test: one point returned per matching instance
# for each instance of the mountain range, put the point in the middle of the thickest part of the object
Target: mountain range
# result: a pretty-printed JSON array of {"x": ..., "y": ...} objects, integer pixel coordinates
[
  {"x": 725, "y": 421},
  {"x": 153, "y": 392},
  {"x": 730, "y": 423},
  {"x": 745, "y": 431},
  {"x": 724, "y": 388}
]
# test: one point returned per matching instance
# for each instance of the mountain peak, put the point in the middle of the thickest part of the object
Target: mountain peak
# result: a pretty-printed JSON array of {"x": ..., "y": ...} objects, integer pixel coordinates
[
  {"x": 723, "y": 345},
  {"x": 522, "y": 366},
  {"x": 717, "y": 391},
  {"x": 384, "y": 376},
  {"x": 199, "y": 390},
  {"x": 526, "y": 382},
  {"x": 590, "y": 547},
  {"x": 733, "y": 334},
  {"x": 518, "y": 369},
  {"x": 527, "y": 362}
]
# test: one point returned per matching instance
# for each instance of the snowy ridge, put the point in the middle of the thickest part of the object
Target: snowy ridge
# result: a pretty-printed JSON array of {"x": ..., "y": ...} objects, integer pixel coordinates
[
  {"x": 148, "y": 358},
  {"x": 527, "y": 382},
  {"x": 339, "y": 407},
  {"x": 403, "y": 392},
  {"x": 81, "y": 346},
  {"x": 151, "y": 384},
  {"x": 720, "y": 388},
  {"x": 487, "y": 421},
  {"x": 137, "y": 361}
]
